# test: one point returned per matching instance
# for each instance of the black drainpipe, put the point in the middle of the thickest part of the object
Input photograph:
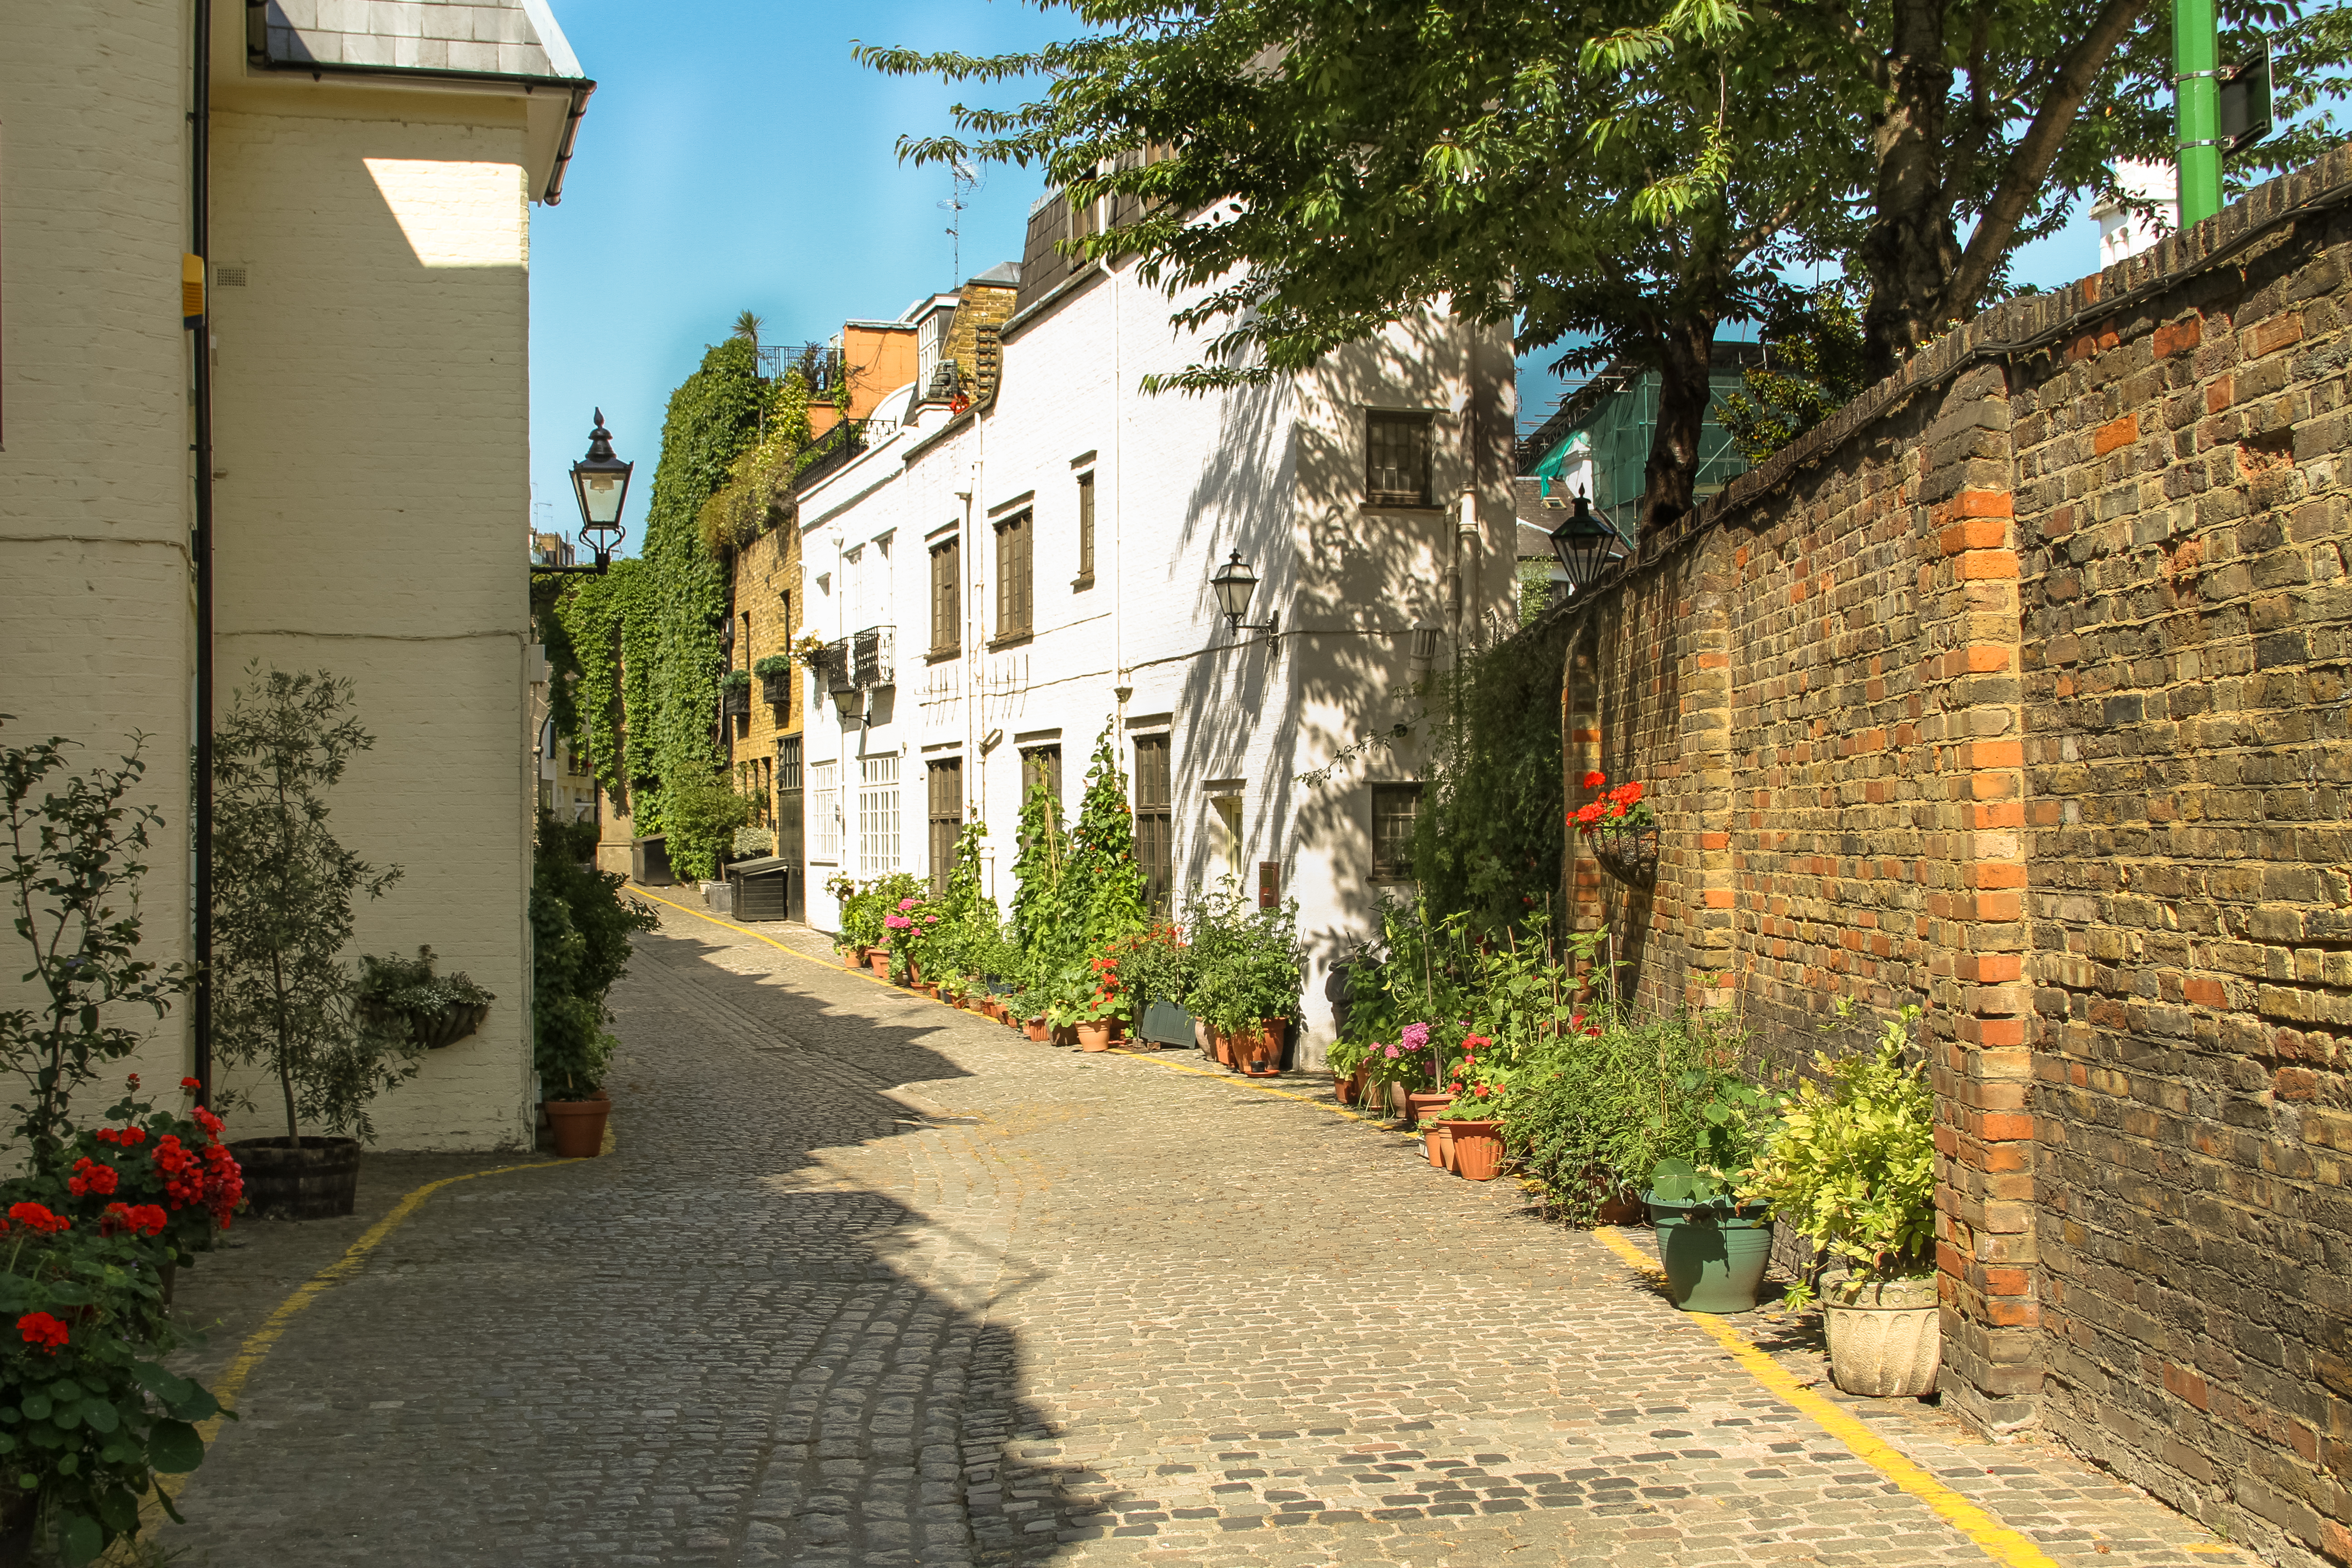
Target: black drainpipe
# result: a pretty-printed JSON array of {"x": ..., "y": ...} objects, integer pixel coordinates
[{"x": 201, "y": 544}]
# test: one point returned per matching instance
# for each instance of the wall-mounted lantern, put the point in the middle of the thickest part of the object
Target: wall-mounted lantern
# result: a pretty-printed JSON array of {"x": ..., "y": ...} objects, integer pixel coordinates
[
  {"x": 601, "y": 481},
  {"x": 1234, "y": 582}
]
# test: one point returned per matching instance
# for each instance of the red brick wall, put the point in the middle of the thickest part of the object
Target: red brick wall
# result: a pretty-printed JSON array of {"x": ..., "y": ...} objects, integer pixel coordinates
[{"x": 2020, "y": 692}]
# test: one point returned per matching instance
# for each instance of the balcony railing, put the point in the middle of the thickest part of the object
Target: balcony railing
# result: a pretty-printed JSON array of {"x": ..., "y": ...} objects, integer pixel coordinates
[
  {"x": 829, "y": 451},
  {"x": 838, "y": 676},
  {"x": 873, "y": 652}
]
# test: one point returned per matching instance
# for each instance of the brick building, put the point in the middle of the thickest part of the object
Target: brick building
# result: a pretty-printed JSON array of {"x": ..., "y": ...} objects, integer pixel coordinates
[{"x": 2018, "y": 690}]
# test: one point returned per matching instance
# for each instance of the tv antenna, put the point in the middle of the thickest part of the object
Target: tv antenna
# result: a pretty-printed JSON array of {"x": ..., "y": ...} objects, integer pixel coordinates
[{"x": 964, "y": 181}]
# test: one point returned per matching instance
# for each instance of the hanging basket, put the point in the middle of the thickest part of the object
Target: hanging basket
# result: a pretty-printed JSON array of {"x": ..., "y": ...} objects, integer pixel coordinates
[{"x": 1628, "y": 854}]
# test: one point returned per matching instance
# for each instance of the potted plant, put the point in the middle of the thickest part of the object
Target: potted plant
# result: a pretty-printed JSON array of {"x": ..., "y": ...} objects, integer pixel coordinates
[
  {"x": 580, "y": 948},
  {"x": 173, "y": 1162},
  {"x": 775, "y": 673},
  {"x": 1852, "y": 1170},
  {"x": 1715, "y": 1244},
  {"x": 435, "y": 1010},
  {"x": 282, "y": 892},
  {"x": 1621, "y": 829},
  {"x": 735, "y": 693}
]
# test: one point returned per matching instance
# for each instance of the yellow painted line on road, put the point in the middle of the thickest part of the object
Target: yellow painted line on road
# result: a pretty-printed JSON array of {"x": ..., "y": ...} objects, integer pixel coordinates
[
  {"x": 771, "y": 942},
  {"x": 2002, "y": 1544}
]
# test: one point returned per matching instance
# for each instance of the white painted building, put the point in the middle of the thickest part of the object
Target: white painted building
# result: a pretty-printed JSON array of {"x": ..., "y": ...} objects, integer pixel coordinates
[{"x": 1023, "y": 556}]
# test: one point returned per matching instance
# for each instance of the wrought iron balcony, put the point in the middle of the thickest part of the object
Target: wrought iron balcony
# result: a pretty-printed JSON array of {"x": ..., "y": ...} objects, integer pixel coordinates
[{"x": 872, "y": 653}]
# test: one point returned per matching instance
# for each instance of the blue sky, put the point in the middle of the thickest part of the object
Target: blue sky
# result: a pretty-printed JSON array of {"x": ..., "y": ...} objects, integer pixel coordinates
[{"x": 735, "y": 157}]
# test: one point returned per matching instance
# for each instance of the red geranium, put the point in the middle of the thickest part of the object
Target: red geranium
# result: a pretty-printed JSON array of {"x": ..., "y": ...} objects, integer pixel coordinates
[
  {"x": 90, "y": 1177},
  {"x": 41, "y": 1328},
  {"x": 37, "y": 1217},
  {"x": 1595, "y": 779},
  {"x": 137, "y": 1219}
]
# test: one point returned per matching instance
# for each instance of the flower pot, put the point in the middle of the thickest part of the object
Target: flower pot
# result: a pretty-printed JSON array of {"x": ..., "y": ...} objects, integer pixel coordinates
[
  {"x": 1036, "y": 1027},
  {"x": 1886, "y": 1337},
  {"x": 1350, "y": 1088},
  {"x": 1117, "y": 1029},
  {"x": 1265, "y": 1046},
  {"x": 1477, "y": 1149},
  {"x": 927, "y": 988},
  {"x": 1423, "y": 1105},
  {"x": 318, "y": 1180},
  {"x": 1064, "y": 1034},
  {"x": 1715, "y": 1252},
  {"x": 851, "y": 957},
  {"x": 578, "y": 1126},
  {"x": 1627, "y": 853},
  {"x": 878, "y": 960},
  {"x": 1444, "y": 1146},
  {"x": 1622, "y": 1208},
  {"x": 1094, "y": 1036},
  {"x": 1221, "y": 1045},
  {"x": 1432, "y": 1143}
]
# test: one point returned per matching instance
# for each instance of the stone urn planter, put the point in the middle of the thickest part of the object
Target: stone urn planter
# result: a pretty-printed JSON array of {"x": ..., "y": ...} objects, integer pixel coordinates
[
  {"x": 1885, "y": 1336},
  {"x": 1715, "y": 1251},
  {"x": 1477, "y": 1149},
  {"x": 318, "y": 1179}
]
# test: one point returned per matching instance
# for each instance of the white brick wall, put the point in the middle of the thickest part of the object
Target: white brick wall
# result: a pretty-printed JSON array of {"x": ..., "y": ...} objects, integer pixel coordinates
[{"x": 1180, "y": 482}]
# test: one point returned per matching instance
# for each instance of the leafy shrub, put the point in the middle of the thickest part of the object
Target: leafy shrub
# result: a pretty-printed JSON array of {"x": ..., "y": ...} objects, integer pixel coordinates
[
  {"x": 579, "y": 932},
  {"x": 773, "y": 666},
  {"x": 702, "y": 812}
]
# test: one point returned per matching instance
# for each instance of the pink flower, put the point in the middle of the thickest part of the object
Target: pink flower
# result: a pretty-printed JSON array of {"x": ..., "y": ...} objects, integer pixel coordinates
[
  {"x": 906, "y": 903},
  {"x": 1392, "y": 1051},
  {"x": 1416, "y": 1036}
]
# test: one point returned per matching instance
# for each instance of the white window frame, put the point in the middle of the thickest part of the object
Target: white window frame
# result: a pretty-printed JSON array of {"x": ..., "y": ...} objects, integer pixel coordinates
[
  {"x": 878, "y": 837},
  {"x": 824, "y": 813}
]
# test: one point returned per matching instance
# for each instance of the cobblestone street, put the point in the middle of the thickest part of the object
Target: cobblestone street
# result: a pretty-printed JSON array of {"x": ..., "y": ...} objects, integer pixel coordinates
[{"x": 869, "y": 1280}]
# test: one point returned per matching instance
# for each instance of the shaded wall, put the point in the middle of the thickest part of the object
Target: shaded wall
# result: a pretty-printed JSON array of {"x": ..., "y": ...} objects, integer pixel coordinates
[{"x": 2019, "y": 691}]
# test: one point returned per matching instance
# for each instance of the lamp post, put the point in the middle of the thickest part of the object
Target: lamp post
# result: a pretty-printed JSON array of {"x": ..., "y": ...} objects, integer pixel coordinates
[
  {"x": 1585, "y": 545},
  {"x": 1234, "y": 583},
  {"x": 601, "y": 481}
]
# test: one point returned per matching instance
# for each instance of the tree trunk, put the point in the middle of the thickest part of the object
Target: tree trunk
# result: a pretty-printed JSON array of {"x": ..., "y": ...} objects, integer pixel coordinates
[
  {"x": 285, "y": 1049},
  {"x": 1909, "y": 251},
  {"x": 1686, "y": 356}
]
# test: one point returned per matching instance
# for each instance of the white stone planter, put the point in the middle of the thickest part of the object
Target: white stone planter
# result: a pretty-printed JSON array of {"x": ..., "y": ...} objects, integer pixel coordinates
[{"x": 1885, "y": 1339}]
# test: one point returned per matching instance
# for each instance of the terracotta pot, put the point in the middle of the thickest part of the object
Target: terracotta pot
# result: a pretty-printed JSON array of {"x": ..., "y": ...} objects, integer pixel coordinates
[
  {"x": 578, "y": 1126},
  {"x": 1221, "y": 1045},
  {"x": 1036, "y": 1027},
  {"x": 1625, "y": 1208},
  {"x": 1477, "y": 1149},
  {"x": 929, "y": 989},
  {"x": 1423, "y": 1105},
  {"x": 1259, "y": 1050},
  {"x": 318, "y": 1180},
  {"x": 1445, "y": 1146},
  {"x": 878, "y": 961},
  {"x": 1094, "y": 1036},
  {"x": 1117, "y": 1029},
  {"x": 1065, "y": 1035},
  {"x": 1432, "y": 1136},
  {"x": 1350, "y": 1088}
]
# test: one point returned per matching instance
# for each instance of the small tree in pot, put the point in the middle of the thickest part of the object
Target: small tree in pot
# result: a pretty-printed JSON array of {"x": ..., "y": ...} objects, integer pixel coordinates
[
  {"x": 580, "y": 946},
  {"x": 282, "y": 894}
]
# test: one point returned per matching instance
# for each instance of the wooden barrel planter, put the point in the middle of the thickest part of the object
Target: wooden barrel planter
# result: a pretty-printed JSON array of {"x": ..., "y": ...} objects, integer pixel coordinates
[{"x": 318, "y": 1179}]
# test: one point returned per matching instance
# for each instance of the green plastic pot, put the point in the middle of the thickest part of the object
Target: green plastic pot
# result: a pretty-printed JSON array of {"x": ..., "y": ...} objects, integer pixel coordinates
[{"x": 1715, "y": 1252}]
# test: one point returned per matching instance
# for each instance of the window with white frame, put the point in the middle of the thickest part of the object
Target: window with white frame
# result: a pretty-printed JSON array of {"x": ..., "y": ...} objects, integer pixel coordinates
[
  {"x": 878, "y": 818},
  {"x": 824, "y": 812}
]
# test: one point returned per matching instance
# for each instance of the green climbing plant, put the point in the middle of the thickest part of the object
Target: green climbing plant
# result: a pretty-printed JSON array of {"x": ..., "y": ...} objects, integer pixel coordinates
[{"x": 1102, "y": 849}]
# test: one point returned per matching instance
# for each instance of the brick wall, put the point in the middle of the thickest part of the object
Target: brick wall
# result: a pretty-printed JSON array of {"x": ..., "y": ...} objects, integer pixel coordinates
[{"x": 2019, "y": 691}]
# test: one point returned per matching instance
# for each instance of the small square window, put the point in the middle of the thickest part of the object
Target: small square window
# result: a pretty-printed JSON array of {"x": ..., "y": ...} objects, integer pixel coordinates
[{"x": 1395, "y": 806}]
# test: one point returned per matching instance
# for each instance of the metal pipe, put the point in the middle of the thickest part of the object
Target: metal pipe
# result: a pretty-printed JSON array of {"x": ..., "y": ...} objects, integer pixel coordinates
[
  {"x": 201, "y": 545},
  {"x": 2197, "y": 109}
]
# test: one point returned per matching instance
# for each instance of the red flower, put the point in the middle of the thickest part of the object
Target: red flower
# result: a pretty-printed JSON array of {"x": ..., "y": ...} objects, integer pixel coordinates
[
  {"x": 37, "y": 1217},
  {"x": 1595, "y": 779},
  {"x": 1587, "y": 815},
  {"x": 1456, "y": 1086},
  {"x": 192, "y": 1083},
  {"x": 141, "y": 1219},
  {"x": 132, "y": 1080},
  {"x": 205, "y": 1119},
  {"x": 90, "y": 1177},
  {"x": 1627, "y": 793},
  {"x": 41, "y": 1328},
  {"x": 183, "y": 1182},
  {"x": 1482, "y": 1091}
]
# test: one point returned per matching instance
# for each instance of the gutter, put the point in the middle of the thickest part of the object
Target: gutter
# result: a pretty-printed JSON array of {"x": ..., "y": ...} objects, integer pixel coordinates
[{"x": 200, "y": 546}]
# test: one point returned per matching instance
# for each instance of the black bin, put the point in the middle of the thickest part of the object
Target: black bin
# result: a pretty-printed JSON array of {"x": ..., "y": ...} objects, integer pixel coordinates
[
  {"x": 761, "y": 887},
  {"x": 649, "y": 862}
]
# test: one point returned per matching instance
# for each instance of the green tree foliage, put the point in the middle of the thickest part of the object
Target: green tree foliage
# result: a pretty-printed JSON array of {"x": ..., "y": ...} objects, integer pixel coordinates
[
  {"x": 1491, "y": 833},
  {"x": 1047, "y": 903},
  {"x": 579, "y": 928},
  {"x": 77, "y": 851},
  {"x": 1102, "y": 848},
  {"x": 1813, "y": 366},
  {"x": 646, "y": 637},
  {"x": 758, "y": 493},
  {"x": 282, "y": 892},
  {"x": 703, "y": 813}
]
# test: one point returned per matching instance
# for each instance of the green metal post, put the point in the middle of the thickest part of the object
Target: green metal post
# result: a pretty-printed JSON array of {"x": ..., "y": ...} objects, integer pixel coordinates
[{"x": 2197, "y": 106}]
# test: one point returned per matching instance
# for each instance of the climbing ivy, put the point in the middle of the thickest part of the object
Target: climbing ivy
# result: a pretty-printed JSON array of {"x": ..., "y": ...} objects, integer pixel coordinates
[
  {"x": 1043, "y": 906},
  {"x": 646, "y": 637}
]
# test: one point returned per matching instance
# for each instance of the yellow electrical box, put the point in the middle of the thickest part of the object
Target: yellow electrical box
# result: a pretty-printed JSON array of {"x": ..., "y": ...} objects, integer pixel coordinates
[{"x": 191, "y": 289}]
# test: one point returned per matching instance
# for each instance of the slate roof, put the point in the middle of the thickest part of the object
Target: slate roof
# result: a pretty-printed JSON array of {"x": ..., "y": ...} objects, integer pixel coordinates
[{"x": 515, "y": 38}]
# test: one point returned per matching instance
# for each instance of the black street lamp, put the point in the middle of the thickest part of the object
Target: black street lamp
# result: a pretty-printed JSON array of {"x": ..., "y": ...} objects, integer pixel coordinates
[
  {"x": 1234, "y": 583},
  {"x": 1585, "y": 545},
  {"x": 601, "y": 480}
]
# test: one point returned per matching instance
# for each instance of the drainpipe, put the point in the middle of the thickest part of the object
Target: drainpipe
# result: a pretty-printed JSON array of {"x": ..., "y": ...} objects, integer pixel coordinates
[{"x": 201, "y": 544}]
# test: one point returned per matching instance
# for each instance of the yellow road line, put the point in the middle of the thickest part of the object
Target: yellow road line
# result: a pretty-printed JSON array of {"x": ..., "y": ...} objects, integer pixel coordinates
[
  {"x": 2002, "y": 1544},
  {"x": 755, "y": 936}
]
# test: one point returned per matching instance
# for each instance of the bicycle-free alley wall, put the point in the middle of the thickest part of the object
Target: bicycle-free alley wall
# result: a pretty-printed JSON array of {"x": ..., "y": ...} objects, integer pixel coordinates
[{"x": 2017, "y": 690}]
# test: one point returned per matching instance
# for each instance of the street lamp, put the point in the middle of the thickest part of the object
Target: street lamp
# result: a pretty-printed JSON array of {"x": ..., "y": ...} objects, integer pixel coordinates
[
  {"x": 601, "y": 480},
  {"x": 1234, "y": 583},
  {"x": 1585, "y": 545}
]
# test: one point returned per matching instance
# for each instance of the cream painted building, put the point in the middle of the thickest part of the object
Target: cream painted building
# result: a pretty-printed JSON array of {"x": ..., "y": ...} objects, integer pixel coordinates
[{"x": 366, "y": 336}]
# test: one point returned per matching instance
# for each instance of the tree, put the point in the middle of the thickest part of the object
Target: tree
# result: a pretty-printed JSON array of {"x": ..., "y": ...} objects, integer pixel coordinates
[
  {"x": 282, "y": 892},
  {"x": 77, "y": 849}
]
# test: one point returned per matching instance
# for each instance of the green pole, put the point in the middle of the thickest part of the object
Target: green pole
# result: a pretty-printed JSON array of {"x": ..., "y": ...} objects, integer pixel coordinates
[{"x": 2197, "y": 108}]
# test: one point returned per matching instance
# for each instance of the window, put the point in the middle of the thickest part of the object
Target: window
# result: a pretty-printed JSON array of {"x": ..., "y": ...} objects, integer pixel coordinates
[
  {"x": 1041, "y": 766},
  {"x": 947, "y": 623},
  {"x": 1085, "y": 531},
  {"x": 790, "y": 841},
  {"x": 1397, "y": 453},
  {"x": 1394, "y": 807},
  {"x": 947, "y": 820},
  {"x": 1155, "y": 837},
  {"x": 824, "y": 812},
  {"x": 1012, "y": 598},
  {"x": 878, "y": 818},
  {"x": 1225, "y": 837}
]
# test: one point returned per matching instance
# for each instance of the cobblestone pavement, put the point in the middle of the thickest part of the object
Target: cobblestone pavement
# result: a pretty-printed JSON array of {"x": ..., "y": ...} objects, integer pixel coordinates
[{"x": 867, "y": 1280}]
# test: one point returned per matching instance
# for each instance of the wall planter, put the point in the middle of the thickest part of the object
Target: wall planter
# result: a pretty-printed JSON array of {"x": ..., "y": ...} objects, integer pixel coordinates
[
  {"x": 578, "y": 1126},
  {"x": 1628, "y": 854},
  {"x": 776, "y": 690},
  {"x": 1477, "y": 1149},
  {"x": 1715, "y": 1252},
  {"x": 1886, "y": 1338},
  {"x": 735, "y": 701},
  {"x": 318, "y": 1179}
]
